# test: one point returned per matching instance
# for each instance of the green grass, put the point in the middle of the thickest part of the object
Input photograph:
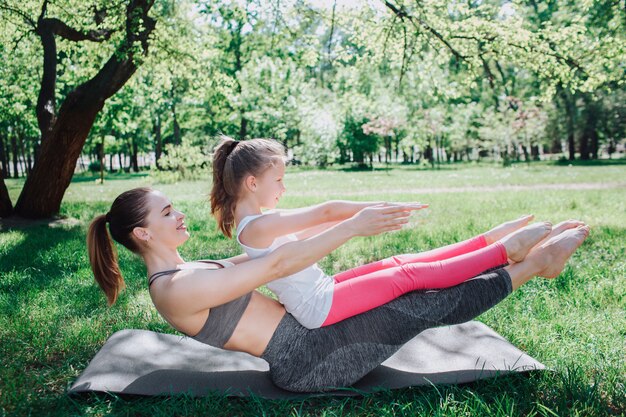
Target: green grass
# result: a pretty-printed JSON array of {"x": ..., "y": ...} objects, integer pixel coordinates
[{"x": 53, "y": 318}]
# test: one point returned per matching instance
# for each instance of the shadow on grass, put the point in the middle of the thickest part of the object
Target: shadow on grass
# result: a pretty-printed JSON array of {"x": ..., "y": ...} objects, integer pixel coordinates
[
  {"x": 591, "y": 163},
  {"x": 55, "y": 258},
  {"x": 35, "y": 241},
  {"x": 78, "y": 178},
  {"x": 557, "y": 393},
  {"x": 393, "y": 167}
]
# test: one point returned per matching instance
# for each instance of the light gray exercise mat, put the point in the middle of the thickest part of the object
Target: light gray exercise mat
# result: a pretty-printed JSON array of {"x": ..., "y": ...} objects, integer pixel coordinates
[{"x": 148, "y": 363}]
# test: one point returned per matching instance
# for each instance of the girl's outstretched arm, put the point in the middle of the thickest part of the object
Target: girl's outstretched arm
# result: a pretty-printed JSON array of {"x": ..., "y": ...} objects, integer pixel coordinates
[
  {"x": 261, "y": 232},
  {"x": 199, "y": 289},
  {"x": 342, "y": 210}
]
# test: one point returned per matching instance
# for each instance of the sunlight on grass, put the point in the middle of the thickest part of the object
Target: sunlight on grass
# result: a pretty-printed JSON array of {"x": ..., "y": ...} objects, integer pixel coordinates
[
  {"x": 10, "y": 238},
  {"x": 53, "y": 317}
]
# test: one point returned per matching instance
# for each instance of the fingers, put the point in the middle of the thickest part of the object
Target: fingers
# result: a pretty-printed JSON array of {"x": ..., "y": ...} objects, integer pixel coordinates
[
  {"x": 401, "y": 207},
  {"x": 393, "y": 223}
]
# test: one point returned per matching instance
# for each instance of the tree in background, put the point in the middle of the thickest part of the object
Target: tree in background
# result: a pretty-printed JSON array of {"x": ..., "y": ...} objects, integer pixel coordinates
[
  {"x": 64, "y": 132},
  {"x": 395, "y": 81}
]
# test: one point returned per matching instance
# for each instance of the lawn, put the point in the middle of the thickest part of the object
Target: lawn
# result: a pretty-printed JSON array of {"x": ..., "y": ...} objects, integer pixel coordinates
[{"x": 53, "y": 317}]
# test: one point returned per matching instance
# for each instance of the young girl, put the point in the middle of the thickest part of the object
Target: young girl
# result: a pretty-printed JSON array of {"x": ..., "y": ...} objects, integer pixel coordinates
[{"x": 248, "y": 177}]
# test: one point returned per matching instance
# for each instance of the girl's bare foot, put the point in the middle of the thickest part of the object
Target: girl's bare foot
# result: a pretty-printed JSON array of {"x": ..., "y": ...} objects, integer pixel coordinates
[
  {"x": 520, "y": 242},
  {"x": 507, "y": 228},
  {"x": 560, "y": 228},
  {"x": 552, "y": 255}
]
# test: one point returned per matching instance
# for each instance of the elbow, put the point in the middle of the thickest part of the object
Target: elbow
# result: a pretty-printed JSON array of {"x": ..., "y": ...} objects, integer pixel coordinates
[{"x": 329, "y": 211}]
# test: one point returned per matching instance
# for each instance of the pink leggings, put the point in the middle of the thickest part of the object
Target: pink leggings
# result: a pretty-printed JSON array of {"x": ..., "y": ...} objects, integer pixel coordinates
[{"x": 368, "y": 286}]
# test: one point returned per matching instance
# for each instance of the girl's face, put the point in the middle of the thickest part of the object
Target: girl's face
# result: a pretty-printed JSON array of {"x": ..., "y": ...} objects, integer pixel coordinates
[
  {"x": 269, "y": 185},
  {"x": 166, "y": 225}
]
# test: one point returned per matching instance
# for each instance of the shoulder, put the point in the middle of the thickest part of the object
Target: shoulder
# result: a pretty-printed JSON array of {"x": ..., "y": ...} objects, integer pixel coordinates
[{"x": 257, "y": 231}]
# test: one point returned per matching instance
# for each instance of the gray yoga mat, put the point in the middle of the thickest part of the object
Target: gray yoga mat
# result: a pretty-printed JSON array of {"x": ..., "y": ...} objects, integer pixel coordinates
[{"x": 148, "y": 363}]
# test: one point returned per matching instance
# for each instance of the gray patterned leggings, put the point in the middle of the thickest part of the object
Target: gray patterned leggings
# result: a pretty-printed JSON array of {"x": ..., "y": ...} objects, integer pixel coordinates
[{"x": 338, "y": 355}]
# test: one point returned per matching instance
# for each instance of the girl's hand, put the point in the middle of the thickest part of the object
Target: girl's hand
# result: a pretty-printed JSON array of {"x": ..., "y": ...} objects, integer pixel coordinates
[
  {"x": 379, "y": 219},
  {"x": 412, "y": 205}
]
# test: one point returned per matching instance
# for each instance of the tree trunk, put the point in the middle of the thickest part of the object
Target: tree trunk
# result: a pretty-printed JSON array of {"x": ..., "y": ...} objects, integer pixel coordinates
[
  {"x": 101, "y": 158},
  {"x": 6, "y": 207},
  {"x": 14, "y": 153},
  {"x": 158, "y": 141},
  {"x": 4, "y": 169},
  {"x": 25, "y": 158},
  {"x": 29, "y": 159},
  {"x": 428, "y": 153},
  {"x": 397, "y": 148},
  {"x": 388, "y": 149},
  {"x": 526, "y": 154},
  {"x": 36, "y": 150},
  {"x": 177, "y": 136},
  {"x": 590, "y": 131},
  {"x": 570, "y": 110},
  {"x": 62, "y": 144},
  {"x": 534, "y": 152},
  {"x": 133, "y": 155},
  {"x": 358, "y": 156},
  {"x": 594, "y": 144},
  {"x": 243, "y": 130}
]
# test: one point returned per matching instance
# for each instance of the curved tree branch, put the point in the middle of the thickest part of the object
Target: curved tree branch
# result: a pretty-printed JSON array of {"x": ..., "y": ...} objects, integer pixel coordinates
[
  {"x": 47, "y": 28},
  {"x": 60, "y": 28},
  {"x": 24, "y": 16},
  {"x": 418, "y": 22}
]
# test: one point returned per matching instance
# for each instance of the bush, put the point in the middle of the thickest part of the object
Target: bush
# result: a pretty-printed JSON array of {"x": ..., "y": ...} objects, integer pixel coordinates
[
  {"x": 94, "y": 166},
  {"x": 183, "y": 162}
]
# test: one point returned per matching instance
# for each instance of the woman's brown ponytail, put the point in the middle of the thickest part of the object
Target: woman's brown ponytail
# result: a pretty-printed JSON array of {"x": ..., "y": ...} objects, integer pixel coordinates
[
  {"x": 129, "y": 210},
  {"x": 103, "y": 259}
]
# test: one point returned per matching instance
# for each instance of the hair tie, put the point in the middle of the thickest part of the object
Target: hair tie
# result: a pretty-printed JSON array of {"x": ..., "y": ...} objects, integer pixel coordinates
[
  {"x": 233, "y": 146},
  {"x": 107, "y": 218}
]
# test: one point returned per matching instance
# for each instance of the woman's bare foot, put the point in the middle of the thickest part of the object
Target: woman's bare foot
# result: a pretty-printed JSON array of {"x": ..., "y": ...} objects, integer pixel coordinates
[
  {"x": 560, "y": 228},
  {"x": 507, "y": 228},
  {"x": 520, "y": 242},
  {"x": 552, "y": 255}
]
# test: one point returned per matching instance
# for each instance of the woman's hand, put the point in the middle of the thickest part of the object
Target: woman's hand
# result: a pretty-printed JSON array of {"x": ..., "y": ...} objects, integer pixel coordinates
[{"x": 381, "y": 218}]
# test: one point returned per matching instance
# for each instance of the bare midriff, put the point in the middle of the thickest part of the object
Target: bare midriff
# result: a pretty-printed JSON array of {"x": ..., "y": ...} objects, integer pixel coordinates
[
  {"x": 257, "y": 325},
  {"x": 252, "y": 333}
]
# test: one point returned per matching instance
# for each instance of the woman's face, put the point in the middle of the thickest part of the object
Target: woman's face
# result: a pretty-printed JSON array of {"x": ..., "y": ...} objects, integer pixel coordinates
[{"x": 165, "y": 224}]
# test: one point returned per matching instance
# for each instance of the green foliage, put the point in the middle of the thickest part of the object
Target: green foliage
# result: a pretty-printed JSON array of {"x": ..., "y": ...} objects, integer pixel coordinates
[
  {"x": 183, "y": 162},
  {"x": 355, "y": 141},
  {"x": 320, "y": 128},
  {"x": 94, "y": 166},
  {"x": 457, "y": 80}
]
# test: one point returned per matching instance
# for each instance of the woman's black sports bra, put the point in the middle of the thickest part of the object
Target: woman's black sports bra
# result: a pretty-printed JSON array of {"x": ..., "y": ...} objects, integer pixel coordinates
[{"x": 222, "y": 320}]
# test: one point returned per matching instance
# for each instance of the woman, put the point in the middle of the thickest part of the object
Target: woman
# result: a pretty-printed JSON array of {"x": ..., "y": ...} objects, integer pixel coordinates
[{"x": 215, "y": 302}]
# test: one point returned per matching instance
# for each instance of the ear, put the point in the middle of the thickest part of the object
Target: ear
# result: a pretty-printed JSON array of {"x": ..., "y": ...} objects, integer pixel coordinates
[
  {"x": 250, "y": 183},
  {"x": 141, "y": 233}
]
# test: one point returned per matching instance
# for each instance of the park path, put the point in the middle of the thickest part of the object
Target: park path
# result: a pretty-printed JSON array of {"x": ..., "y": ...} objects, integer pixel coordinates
[{"x": 482, "y": 189}]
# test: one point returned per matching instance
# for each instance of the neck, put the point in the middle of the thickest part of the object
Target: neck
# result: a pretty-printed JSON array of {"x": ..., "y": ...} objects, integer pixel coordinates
[
  {"x": 246, "y": 207},
  {"x": 161, "y": 259}
]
